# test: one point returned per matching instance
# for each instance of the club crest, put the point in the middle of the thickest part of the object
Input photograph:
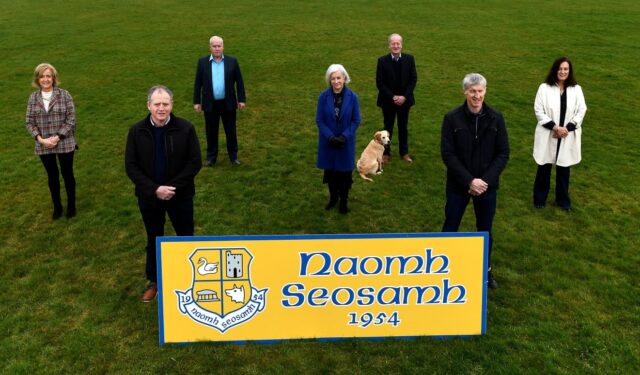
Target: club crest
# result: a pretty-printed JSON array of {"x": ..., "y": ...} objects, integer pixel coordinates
[{"x": 221, "y": 295}]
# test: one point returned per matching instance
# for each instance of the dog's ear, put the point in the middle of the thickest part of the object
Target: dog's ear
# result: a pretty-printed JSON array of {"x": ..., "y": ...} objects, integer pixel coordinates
[{"x": 378, "y": 136}]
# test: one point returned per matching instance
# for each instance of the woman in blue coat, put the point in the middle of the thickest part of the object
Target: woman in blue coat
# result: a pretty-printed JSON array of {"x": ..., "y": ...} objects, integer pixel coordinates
[{"x": 337, "y": 117}]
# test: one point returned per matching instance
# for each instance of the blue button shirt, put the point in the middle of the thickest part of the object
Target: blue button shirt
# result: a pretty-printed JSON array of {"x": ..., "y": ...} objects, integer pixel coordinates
[{"x": 217, "y": 78}]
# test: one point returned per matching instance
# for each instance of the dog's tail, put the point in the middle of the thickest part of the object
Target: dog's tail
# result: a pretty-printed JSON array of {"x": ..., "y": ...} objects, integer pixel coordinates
[
  {"x": 365, "y": 177},
  {"x": 361, "y": 171}
]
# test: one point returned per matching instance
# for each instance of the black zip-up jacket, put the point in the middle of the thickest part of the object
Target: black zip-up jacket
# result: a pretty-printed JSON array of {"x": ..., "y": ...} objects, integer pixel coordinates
[
  {"x": 182, "y": 152},
  {"x": 474, "y": 146}
]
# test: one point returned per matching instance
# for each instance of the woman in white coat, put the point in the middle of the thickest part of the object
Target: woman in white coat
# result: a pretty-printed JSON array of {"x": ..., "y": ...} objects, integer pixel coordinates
[{"x": 560, "y": 109}]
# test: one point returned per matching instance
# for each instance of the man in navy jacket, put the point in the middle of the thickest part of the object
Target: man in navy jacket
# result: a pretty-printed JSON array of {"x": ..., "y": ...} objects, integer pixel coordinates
[
  {"x": 162, "y": 159},
  {"x": 475, "y": 150},
  {"x": 214, "y": 92},
  {"x": 396, "y": 79}
]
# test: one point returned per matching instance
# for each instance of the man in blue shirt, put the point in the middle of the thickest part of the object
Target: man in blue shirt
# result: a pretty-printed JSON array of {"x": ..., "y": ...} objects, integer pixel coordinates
[{"x": 217, "y": 78}]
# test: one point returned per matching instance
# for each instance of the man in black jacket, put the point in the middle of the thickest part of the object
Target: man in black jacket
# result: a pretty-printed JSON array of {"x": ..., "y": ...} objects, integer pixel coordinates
[
  {"x": 396, "y": 79},
  {"x": 214, "y": 92},
  {"x": 162, "y": 158},
  {"x": 475, "y": 150}
]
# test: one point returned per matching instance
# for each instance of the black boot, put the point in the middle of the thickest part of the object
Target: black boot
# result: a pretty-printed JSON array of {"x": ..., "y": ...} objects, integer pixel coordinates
[
  {"x": 70, "y": 186},
  {"x": 71, "y": 211},
  {"x": 57, "y": 202},
  {"x": 57, "y": 211},
  {"x": 344, "y": 197},
  {"x": 333, "y": 197},
  {"x": 71, "y": 205}
]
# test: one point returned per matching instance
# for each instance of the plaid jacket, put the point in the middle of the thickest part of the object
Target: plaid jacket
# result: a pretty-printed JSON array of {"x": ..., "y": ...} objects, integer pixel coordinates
[{"x": 60, "y": 120}]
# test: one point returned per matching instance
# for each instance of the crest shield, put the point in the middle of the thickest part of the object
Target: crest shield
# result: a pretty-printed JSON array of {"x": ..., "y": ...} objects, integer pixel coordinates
[{"x": 221, "y": 294}]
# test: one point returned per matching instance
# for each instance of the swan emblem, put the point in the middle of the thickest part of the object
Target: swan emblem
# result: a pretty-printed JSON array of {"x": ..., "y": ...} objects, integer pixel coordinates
[{"x": 207, "y": 268}]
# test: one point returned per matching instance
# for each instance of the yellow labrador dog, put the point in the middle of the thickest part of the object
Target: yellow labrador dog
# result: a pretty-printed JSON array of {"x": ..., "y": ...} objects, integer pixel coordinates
[{"x": 370, "y": 161}]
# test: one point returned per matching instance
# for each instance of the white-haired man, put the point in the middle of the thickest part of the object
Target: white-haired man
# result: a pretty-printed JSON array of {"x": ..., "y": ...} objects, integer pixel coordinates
[
  {"x": 214, "y": 92},
  {"x": 396, "y": 79}
]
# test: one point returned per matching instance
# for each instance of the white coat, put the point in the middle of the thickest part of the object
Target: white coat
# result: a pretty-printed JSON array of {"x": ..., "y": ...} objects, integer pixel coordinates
[{"x": 547, "y": 108}]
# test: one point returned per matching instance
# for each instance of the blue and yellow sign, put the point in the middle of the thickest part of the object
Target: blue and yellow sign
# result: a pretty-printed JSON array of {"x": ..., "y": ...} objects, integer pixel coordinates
[{"x": 265, "y": 288}]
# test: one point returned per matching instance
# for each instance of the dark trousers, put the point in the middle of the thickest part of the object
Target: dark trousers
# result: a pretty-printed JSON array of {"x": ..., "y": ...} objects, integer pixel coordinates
[
  {"x": 542, "y": 184},
  {"x": 153, "y": 215},
  {"x": 389, "y": 114},
  {"x": 212, "y": 125},
  {"x": 485, "y": 209},
  {"x": 66, "y": 167}
]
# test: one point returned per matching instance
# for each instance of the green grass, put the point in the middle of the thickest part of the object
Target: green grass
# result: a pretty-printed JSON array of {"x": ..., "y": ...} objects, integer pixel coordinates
[{"x": 568, "y": 301}]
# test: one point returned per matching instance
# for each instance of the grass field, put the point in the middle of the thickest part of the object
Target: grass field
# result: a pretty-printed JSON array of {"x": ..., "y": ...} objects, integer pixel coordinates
[{"x": 569, "y": 296}]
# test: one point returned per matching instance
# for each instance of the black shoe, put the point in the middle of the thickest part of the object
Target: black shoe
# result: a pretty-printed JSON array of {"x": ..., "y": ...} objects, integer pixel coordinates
[
  {"x": 71, "y": 212},
  {"x": 57, "y": 213},
  {"x": 343, "y": 208},
  {"x": 491, "y": 282},
  {"x": 211, "y": 163},
  {"x": 566, "y": 209},
  {"x": 235, "y": 162}
]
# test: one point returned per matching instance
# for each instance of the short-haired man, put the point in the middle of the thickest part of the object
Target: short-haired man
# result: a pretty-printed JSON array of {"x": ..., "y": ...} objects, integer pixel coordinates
[
  {"x": 475, "y": 150},
  {"x": 214, "y": 92},
  {"x": 396, "y": 79},
  {"x": 162, "y": 158}
]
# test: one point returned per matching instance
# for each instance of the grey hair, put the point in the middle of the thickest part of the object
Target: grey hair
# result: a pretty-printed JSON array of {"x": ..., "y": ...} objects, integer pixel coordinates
[
  {"x": 336, "y": 68},
  {"x": 214, "y": 37},
  {"x": 473, "y": 79},
  {"x": 159, "y": 88},
  {"x": 395, "y": 34}
]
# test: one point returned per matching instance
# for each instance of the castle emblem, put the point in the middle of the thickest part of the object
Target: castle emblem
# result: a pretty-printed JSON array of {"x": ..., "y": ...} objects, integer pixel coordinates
[{"x": 221, "y": 297}]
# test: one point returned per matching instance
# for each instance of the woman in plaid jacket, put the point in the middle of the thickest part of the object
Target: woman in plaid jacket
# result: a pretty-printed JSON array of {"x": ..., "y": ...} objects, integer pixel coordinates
[{"x": 51, "y": 121}]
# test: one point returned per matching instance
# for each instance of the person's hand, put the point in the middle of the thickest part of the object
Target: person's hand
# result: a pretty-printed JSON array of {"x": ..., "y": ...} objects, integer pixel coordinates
[
  {"x": 54, "y": 140},
  {"x": 241, "y": 105},
  {"x": 478, "y": 187},
  {"x": 46, "y": 142},
  {"x": 399, "y": 100},
  {"x": 337, "y": 141},
  {"x": 559, "y": 132},
  {"x": 562, "y": 132},
  {"x": 197, "y": 108},
  {"x": 164, "y": 193}
]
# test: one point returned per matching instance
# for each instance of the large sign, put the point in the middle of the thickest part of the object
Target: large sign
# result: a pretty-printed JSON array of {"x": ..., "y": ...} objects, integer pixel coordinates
[{"x": 264, "y": 288}]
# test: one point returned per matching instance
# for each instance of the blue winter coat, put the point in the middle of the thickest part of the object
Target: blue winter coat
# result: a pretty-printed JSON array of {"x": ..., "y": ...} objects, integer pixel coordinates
[{"x": 342, "y": 159}]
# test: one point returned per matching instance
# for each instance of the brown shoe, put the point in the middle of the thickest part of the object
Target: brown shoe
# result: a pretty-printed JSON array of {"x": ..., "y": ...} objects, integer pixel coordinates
[
  {"x": 386, "y": 159},
  {"x": 407, "y": 158},
  {"x": 150, "y": 293}
]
